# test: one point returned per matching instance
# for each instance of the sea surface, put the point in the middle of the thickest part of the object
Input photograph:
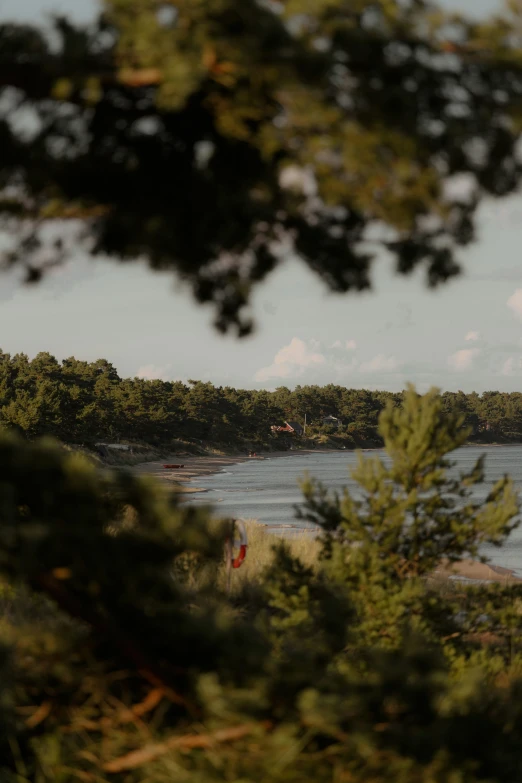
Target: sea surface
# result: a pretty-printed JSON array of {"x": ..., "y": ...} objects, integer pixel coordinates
[{"x": 268, "y": 490}]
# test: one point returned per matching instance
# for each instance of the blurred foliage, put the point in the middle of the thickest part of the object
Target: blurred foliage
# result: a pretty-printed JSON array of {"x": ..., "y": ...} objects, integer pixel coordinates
[{"x": 217, "y": 137}]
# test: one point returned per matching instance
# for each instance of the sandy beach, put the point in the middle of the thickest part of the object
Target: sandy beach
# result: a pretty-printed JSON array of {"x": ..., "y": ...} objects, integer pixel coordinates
[
  {"x": 474, "y": 571},
  {"x": 195, "y": 465}
]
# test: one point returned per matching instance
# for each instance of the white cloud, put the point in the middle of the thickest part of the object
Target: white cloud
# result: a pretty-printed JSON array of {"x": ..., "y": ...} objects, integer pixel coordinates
[
  {"x": 380, "y": 363},
  {"x": 508, "y": 366},
  {"x": 472, "y": 337},
  {"x": 348, "y": 345},
  {"x": 292, "y": 361},
  {"x": 515, "y": 302},
  {"x": 463, "y": 360},
  {"x": 300, "y": 357},
  {"x": 152, "y": 372},
  {"x": 511, "y": 366}
]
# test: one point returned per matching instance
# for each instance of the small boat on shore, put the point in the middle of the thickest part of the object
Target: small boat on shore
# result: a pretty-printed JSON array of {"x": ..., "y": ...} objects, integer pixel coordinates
[{"x": 173, "y": 467}]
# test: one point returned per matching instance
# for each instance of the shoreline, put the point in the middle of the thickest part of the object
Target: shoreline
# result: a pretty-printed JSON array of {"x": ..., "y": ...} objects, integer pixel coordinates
[
  {"x": 195, "y": 465},
  {"x": 470, "y": 571}
]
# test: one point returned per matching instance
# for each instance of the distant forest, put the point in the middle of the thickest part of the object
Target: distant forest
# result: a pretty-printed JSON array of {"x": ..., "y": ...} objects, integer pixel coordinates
[{"x": 85, "y": 402}]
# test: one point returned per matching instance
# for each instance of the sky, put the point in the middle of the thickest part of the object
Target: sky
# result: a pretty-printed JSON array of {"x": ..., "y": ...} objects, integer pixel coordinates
[
  {"x": 466, "y": 335},
  {"x": 84, "y": 9}
]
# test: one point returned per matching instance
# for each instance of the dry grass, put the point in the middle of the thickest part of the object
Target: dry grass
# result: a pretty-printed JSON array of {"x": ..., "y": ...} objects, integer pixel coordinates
[
  {"x": 247, "y": 581},
  {"x": 261, "y": 543},
  {"x": 260, "y": 554}
]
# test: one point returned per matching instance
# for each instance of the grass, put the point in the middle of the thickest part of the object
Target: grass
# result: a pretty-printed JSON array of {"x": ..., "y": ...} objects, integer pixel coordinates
[
  {"x": 246, "y": 582},
  {"x": 247, "y": 596},
  {"x": 260, "y": 551}
]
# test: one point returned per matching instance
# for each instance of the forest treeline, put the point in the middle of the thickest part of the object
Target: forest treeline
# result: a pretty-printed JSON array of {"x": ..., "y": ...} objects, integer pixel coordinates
[{"x": 85, "y": 402}]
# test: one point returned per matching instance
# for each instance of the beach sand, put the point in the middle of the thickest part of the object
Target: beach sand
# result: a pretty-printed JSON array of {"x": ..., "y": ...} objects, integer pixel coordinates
[
  {"x": 472, "y": 570},
  {"x": 195, "y": 466}
]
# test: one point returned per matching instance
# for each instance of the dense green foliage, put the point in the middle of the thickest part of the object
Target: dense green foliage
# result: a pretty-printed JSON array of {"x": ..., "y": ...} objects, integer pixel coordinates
[
  {"x": 410, "y": 517},
  {"x": 81, "y": 402},
  {"x": 352, "y": 670},
  {"x": 192, "y": 132}
]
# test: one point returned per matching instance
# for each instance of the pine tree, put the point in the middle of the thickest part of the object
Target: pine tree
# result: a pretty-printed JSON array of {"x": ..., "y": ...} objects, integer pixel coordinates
[{"x": 410, "y": 514}]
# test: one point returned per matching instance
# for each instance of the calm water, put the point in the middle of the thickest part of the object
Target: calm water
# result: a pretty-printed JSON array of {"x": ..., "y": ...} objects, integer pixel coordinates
[{"x": 267, "y": 490}]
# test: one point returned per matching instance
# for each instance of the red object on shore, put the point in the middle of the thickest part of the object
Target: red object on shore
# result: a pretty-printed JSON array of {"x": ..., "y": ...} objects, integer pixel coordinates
[
  {"x": 236, "y": 562},
  {"x": 242, "y": 543},
  {"x": 173, "y": 466}
]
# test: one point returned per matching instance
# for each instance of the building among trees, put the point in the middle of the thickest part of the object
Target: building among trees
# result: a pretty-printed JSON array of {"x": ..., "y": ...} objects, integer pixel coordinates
[
  {"x": 292, "y": 427},
  {"x": 332, "y": 421}
]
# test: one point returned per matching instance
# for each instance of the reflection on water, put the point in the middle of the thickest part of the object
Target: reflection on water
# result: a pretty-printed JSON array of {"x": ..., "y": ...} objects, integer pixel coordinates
[{"x": 268, "y": 490}]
